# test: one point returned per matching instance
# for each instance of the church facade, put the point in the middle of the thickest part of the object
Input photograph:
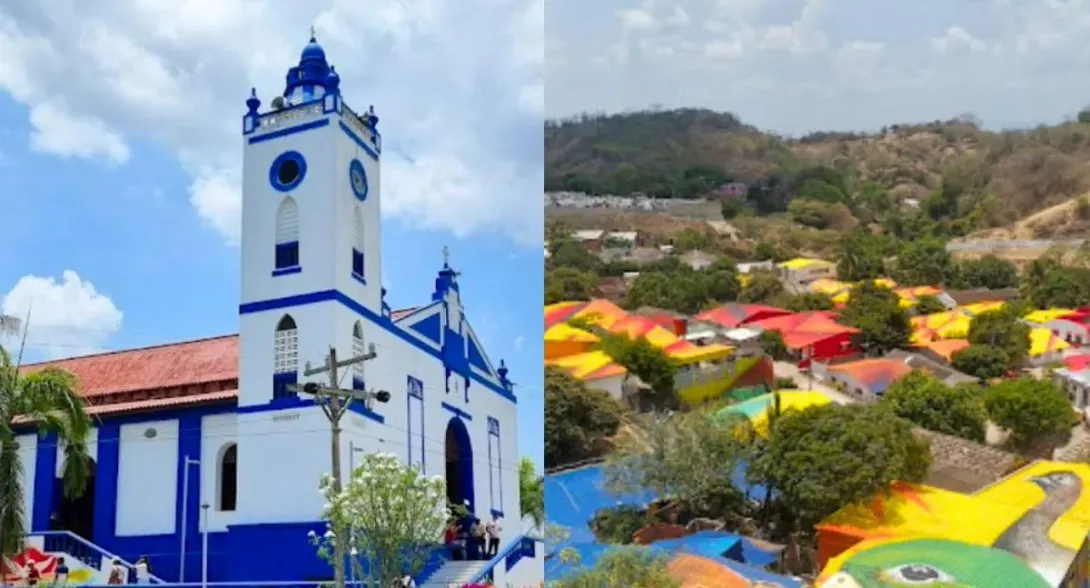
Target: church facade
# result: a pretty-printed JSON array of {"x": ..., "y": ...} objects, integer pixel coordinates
[{"x": 219, "y": 432}]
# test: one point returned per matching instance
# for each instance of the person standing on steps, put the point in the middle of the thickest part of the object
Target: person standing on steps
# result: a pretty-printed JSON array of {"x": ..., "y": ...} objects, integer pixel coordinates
[
  {"x": 60, "y": 577},
  {"x": 492, "y": 529}
]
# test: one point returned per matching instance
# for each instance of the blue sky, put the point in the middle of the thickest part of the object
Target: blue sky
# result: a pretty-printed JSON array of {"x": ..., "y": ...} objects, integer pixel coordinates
[
  {"x": 796, "y": 66},
  {"x": 119, "y": 171}
]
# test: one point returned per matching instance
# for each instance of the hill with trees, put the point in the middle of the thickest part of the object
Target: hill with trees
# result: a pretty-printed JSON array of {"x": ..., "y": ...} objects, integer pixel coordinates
[{"x": 956, "y": 176}]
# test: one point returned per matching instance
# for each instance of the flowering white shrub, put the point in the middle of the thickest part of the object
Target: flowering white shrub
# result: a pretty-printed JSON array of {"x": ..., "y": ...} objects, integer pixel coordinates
[{"x": 390, "y": 516}]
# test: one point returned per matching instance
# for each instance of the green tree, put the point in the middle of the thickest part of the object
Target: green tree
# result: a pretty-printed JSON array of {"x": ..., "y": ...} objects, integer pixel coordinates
[
  {"x": 650, "y": 288},
  {"x": 1048, "y": 283},
  {"x": 807, "y": 301},
  {"x": 928, "y": 304},
  {"x": 568, "y": 283},
  {"x": 987, "y": 272},
  {"x": 762, "y": 287},
  {"x": 531, "y": 492},
  {"x": 876, "y": 311},
  {"x": 622, "y": 567},
  {"x": 981, "y": 361},
  {"x": 691, "y": 240},
  {"x": 732, "y": 207},
  {"x": 578, "y": 421},
  {"x": 722, "y": 285},
  {"x": 862, "y": 449},
  {"x": 47, "y": 398},
  {"x": 860, "y": 256},
  {"x": 933, "y": 405},
  {"x": 818, "y": 214},
  {"x": 821, "y": 191},
  {"x": 568, "y": 252},
  {"x": 1037, "y": 413},
  {"x": 389, "y": 516},
  {"x": 1001, "y": 329},
  {"x": 686, "y": 456},
  {"x": 773, "y": 345},
  {"x": 645, "y": 361},
  {"x": 925, "y": 262}
]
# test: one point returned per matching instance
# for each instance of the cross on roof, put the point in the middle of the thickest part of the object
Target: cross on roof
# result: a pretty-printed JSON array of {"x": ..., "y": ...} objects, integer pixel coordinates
[{"x": 446, "y": 256}]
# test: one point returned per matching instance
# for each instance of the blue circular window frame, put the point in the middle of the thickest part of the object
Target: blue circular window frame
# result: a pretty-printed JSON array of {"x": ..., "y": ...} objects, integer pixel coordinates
[
  {"x": 274, "y": 180},
  {"x": 357, "y": 166}
]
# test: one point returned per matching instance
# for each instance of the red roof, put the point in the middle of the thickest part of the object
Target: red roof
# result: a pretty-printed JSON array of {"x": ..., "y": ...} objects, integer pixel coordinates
[
  {"x": 734, "y": 315},
  {"x": 152, "y": 368},
  {"x": 1077, "y": 362},
  {"x": 805, "y": 328}
]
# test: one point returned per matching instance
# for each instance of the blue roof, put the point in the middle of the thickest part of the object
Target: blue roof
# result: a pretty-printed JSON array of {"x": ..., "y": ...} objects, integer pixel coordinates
[
  {"x": 572, "y": 498},
  {"x": 708, "y": 544}
]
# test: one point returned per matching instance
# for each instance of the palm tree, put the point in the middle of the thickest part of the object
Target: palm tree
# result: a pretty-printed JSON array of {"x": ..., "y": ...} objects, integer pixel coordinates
[{"x": 47, "y": 398}]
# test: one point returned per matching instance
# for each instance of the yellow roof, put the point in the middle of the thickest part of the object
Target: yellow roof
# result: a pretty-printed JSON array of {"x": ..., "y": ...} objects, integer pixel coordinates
[
  {"x": 951, "y": 324},
  {"x": 830, "y": 287},
  {"x": 1042, "y": 341},
  {"x": 757, "y": 409},
  {"x": 979, "y": 307},
  {"x": 1041, "y": 317},
  {"x": 803, "y": 263},
  {"x": 582, "y": 365},
  {"x": 566, "y": 332},
  {"x": 695, "y": 353}
]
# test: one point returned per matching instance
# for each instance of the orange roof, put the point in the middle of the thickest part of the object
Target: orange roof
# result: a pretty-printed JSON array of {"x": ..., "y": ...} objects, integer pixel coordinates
[
  {"x": 152, "y": 368},
  {"x": 605, "y": 312},
  {"x": 733, "y": 315},
  {"x": 946, "y": 348},
  {"x": 876, "y": 373}
]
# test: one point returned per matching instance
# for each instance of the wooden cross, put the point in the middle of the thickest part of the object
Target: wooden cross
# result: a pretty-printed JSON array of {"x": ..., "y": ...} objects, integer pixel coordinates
[{"x": 446, "y": 256}]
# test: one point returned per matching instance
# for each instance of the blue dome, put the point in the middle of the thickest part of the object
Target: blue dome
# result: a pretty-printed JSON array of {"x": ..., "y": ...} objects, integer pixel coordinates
[{"x": 312, "y": 52}]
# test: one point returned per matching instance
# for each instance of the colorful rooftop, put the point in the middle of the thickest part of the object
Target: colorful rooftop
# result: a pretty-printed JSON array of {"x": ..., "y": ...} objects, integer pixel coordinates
[
  {"x": 757, "y": 409},
  {"x": 804, "y": 263},
  {"x": 1043, "y": 341},
  {"x": 1026, "y": 530},
  {"x": 945, "y": 348},
  {"x": 1040, "y": 317},
  {"x": 805, "y": 328},
  {"x": 734, "y": 315},
  {"x": 876, "y": 374}
]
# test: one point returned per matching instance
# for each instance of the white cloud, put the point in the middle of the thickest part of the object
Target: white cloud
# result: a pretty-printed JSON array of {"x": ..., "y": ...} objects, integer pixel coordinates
[
  {"x": 58, "y": 131},
  {"x": 458, "y": 87},
  {"x": 67, "y": 318},
  {"x": 956, "y": 38}
]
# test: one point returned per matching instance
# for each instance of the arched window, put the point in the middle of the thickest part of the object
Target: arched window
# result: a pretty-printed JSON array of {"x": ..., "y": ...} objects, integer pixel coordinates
[
  {"x": 285, "y": 357},
  {"x": 227, "y": 470},
  {"x": 287, "y": 235},
  {"x": 357, "y": 243},
  {"x": 358, "y": 349}
]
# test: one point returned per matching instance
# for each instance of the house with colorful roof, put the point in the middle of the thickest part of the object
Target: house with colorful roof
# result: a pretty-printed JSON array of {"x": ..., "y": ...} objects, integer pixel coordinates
[
  {"x": 733, "y": 314},
  {"x": 1073, "y": 327},
  {"x": 705, "y": 372},
  {"x": 812, "y": 336},
  {"x": 221, "y": 441},
  {"x": 802, "y": 271}
]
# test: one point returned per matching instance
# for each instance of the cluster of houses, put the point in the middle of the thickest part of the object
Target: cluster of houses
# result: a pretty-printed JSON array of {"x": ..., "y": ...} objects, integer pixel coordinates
[{"x": 822, "y": 346}]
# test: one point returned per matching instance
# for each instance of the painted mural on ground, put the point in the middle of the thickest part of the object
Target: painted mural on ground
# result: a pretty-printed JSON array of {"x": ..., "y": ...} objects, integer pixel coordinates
[
  {"x": 1027, "y": 530},
  {"x": 14, "y": 569}
]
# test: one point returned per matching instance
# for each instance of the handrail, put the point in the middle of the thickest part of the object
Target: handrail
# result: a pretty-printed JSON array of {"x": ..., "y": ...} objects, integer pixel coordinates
[
  {"x": 70, "y": 535},
  {"x": 502, "y": 556}
]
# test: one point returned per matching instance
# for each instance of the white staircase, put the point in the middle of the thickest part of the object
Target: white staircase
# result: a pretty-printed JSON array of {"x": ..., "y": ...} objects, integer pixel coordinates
[{"x": 454, "y": 574}]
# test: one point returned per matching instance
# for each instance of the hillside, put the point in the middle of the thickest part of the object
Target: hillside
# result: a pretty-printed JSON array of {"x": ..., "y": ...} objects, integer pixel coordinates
[{"x": 969, "y": 178}]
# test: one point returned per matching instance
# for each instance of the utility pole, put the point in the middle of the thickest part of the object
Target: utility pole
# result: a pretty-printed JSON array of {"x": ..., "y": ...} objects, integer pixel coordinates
[{"x": 335, "y": 401}]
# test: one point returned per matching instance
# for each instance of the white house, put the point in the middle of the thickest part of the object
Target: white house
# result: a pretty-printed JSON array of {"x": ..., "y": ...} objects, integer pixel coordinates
[
  {"x": 1077, "y": 385},
  {"x": 217, "y": 422}
]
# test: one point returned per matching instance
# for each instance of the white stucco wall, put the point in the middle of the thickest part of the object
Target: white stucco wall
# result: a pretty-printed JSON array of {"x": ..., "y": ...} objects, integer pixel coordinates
[
  {"x": 614, "y": 385},
  {"x": 527, "y": 573},
  {"x": 218, "y": 431},
  {"x": 28, "y": 458},
  {"x": 92, "y": 451},
  {"x": 147, "y": 479}
]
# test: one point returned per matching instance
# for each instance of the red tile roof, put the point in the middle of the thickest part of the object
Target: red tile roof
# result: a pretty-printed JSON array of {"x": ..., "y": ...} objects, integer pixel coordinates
[
  {"x": 805, "y": 328},
  {"x": 152, "y": 368}
]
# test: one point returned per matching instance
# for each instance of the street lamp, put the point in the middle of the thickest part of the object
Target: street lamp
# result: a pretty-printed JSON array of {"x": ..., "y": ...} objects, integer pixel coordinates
[{"x": 204, "y": 545}]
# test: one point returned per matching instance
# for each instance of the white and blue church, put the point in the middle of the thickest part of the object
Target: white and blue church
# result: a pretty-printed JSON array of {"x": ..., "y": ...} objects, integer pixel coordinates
[{"x": 211, "y": 435}]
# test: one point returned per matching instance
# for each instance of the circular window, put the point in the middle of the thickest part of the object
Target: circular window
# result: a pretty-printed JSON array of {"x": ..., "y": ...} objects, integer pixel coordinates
[
  {"x": 287, "y": 171},
  {"x": 150, "y": 433}
]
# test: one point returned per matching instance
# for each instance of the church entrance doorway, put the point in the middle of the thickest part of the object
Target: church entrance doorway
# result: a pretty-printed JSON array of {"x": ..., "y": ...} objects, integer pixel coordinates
[
  {"x": 459, "y": 454},
  {"x": 75, "y": 514}
]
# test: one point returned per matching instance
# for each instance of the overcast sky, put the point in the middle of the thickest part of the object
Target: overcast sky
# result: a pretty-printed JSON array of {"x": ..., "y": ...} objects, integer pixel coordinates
[{"x": 796, "y": 66}]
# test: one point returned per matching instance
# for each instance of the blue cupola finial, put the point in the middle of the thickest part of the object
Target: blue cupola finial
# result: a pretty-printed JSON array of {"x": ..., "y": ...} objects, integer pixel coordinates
[
  {"x": 253, "y": 103},
  {"x": 447, "y": 278},
  {"x": 312, "y": 73},
  {"x": 333, "y": 81},
  {"x": 502, "y": 372},
  {"x": 372, "y": 118}
]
